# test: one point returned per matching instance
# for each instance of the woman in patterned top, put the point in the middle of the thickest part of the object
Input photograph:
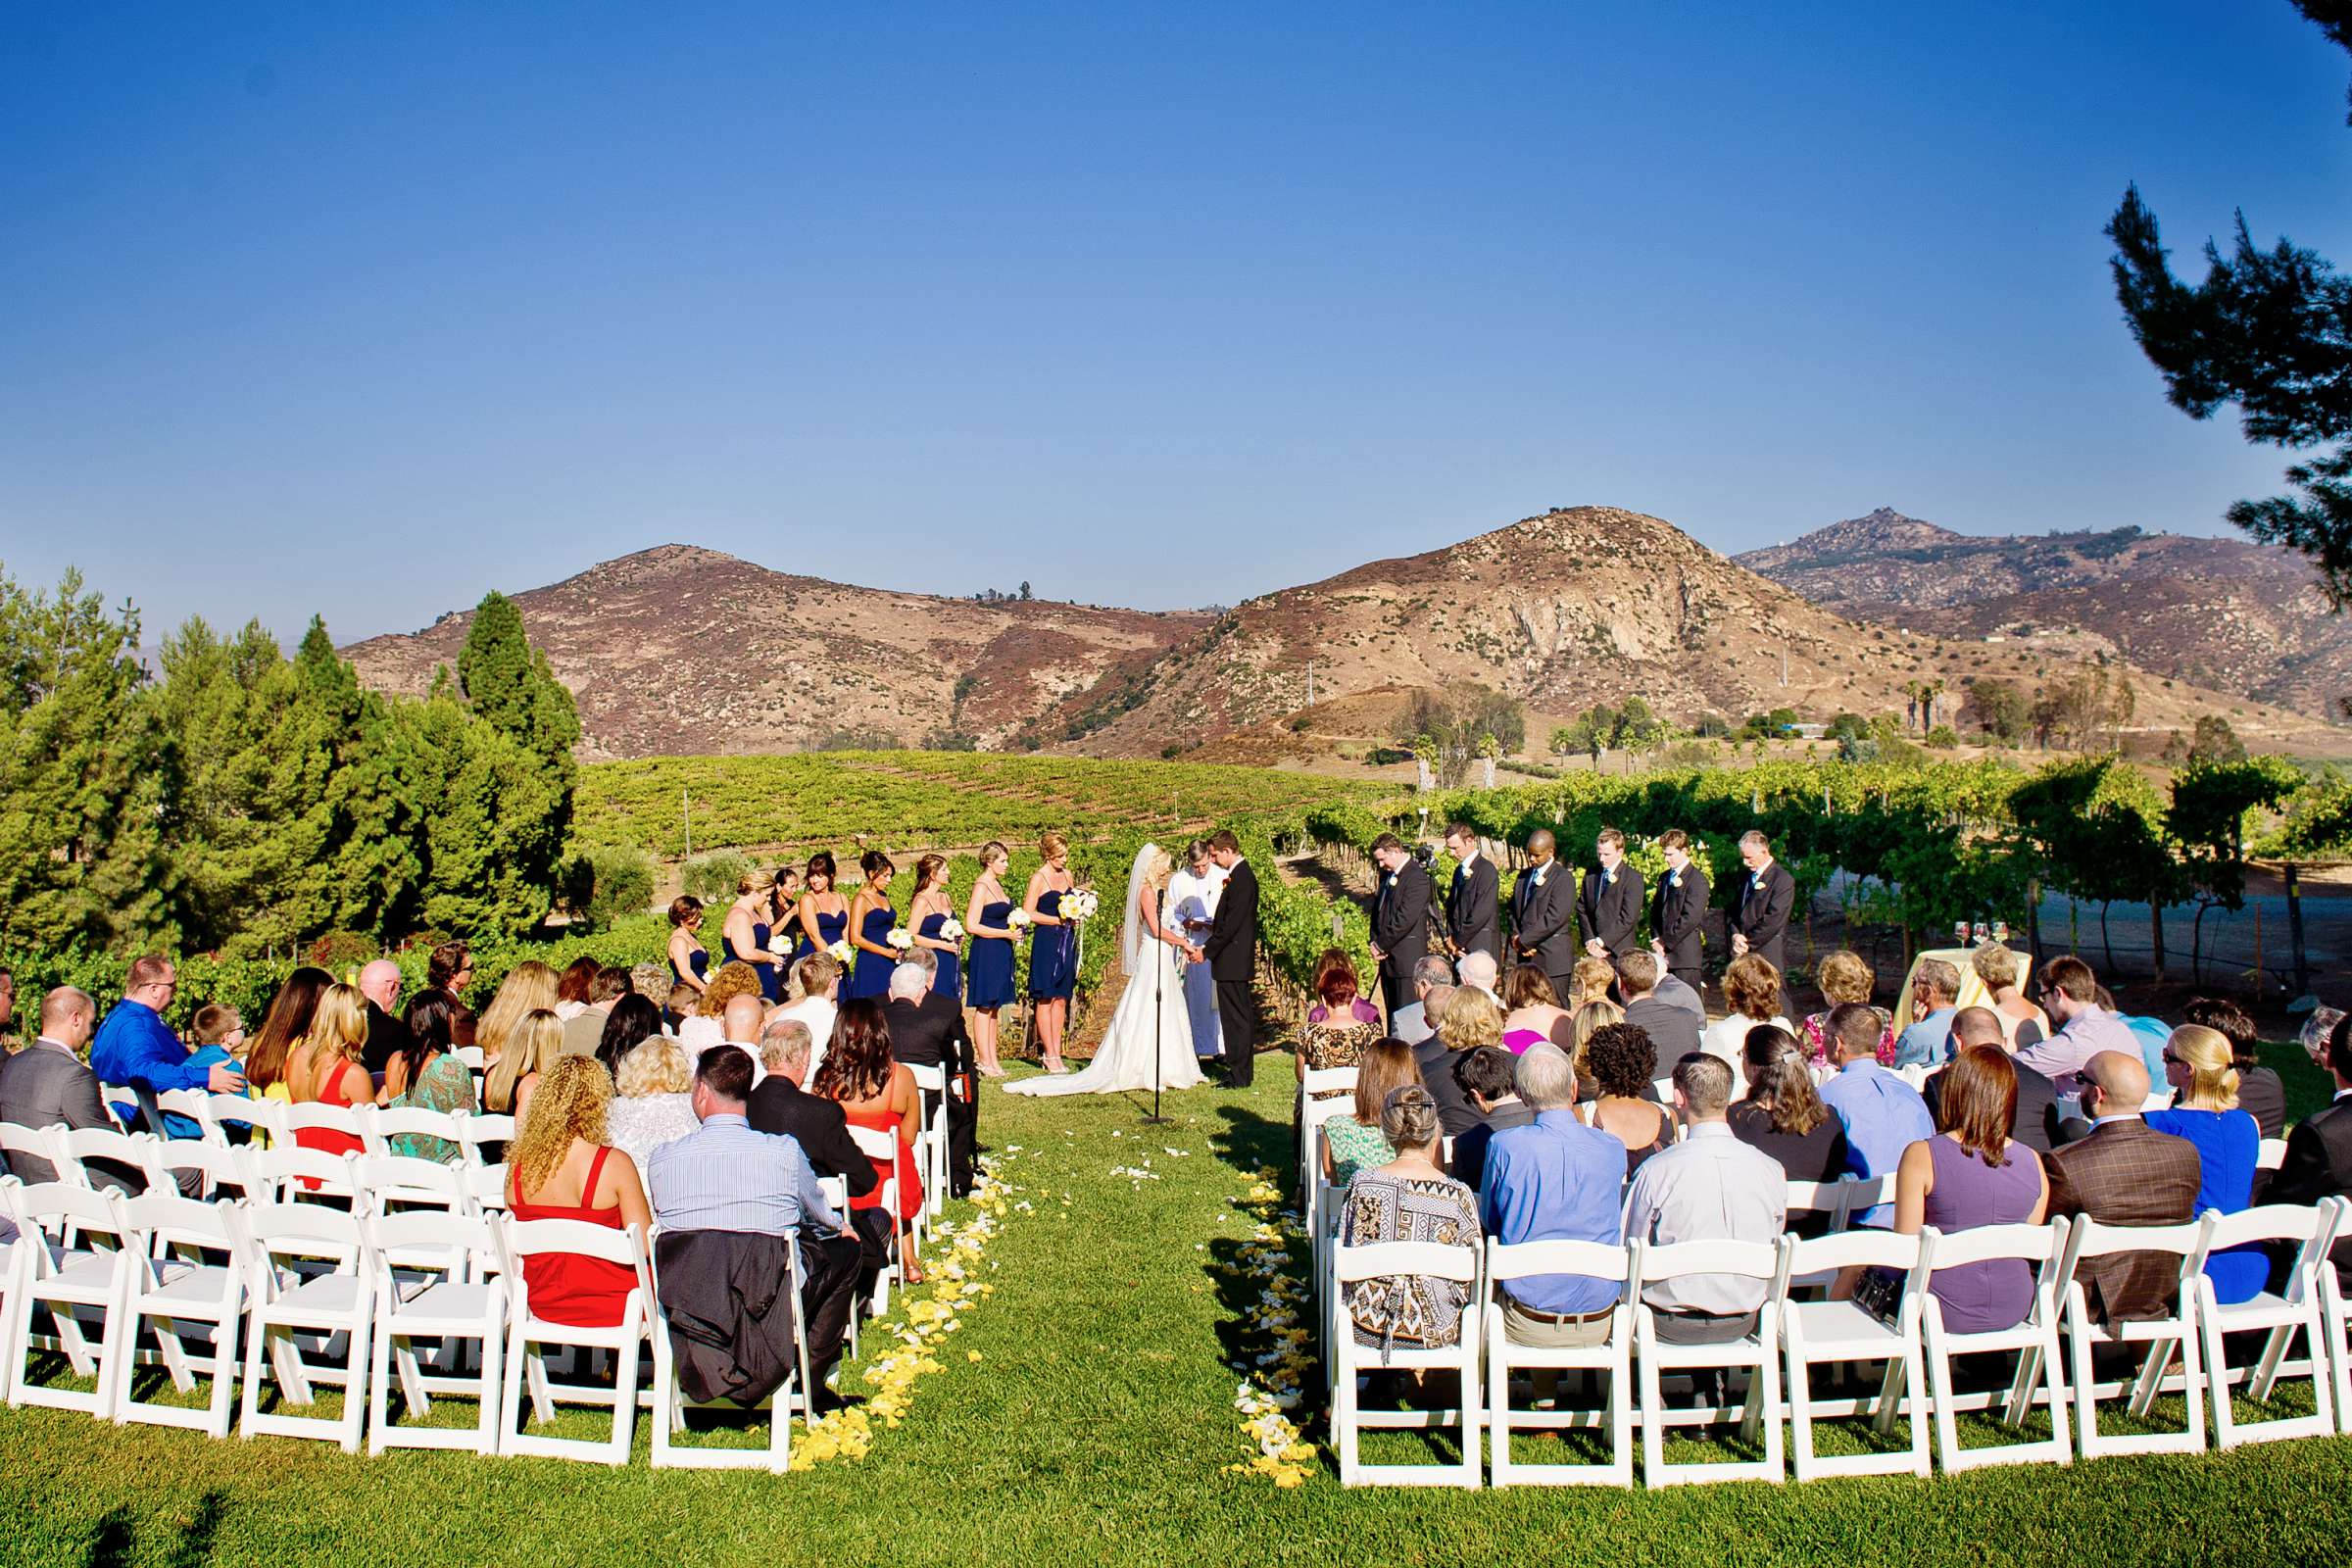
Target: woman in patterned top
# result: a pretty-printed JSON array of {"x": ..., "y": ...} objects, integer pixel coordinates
[
  {"x": 1341, "y": 1026},
  {"x": 1408, "y": 1199},
  {"x": 1354, "y": 1144},
  {"x": 428, "y": 1076}
]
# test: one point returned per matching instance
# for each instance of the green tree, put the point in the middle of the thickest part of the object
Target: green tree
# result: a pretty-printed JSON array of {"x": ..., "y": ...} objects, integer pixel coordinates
[
  {"x": 1999, "y": 709},
  {"x": 2269, "y": 331},
  {"x": 1445, "y": 727},
  {"x": 508, "y": 682},
  {"x": 2213, "y": 742},
  {"x": 1638, "y": 728}
]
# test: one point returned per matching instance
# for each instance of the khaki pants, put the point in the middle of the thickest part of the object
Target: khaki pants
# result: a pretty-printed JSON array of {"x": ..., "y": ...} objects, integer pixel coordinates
[{"x": 1521, "y": 1327}]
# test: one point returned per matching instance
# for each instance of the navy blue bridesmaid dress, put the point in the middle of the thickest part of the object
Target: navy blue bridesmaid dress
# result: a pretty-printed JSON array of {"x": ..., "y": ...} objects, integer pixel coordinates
[
  {"x": 871, "y": 977},
  {"x": 948, "y": 981},
  {"x": 1052, "y": 954},
  {"x": 990, "y": 984},
  {"x": 772, "y": 975}
]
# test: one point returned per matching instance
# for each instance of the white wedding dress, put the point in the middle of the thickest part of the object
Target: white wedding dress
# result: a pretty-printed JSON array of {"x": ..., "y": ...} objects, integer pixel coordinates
[{"x": 1124, "y": 1060}]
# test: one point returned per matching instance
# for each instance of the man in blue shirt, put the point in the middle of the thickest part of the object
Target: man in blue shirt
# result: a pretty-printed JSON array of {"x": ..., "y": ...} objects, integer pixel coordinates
[
  {"x": 1935, "y": 987},
  {"x": 1555, "y": 1180},
  {"x": 134, "y": 1046},
  {"x": 1882, "y": 1114}
]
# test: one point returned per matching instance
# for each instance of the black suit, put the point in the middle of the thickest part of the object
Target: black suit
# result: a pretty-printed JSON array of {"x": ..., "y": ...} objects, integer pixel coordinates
[
  {"x": 1232, "y": 954},
  {"x": 1762, "y": 913},
  {"x": 387, "y": 1035},
  {"x": 1455, "y": 1114},
  {"x": 1544, "y": 918},
  {"x": 929, "y": 1033},
  {"x": 2318, "y": 1164},
  {"x": 1678, "y": 919},
  {"x": 1472, "y": 910},
  {"x": 1400, "y": 929},
  {"x": 780, "y": 1105},
  {"x": 2035, "y": 1123},
  {"x": 1611, "y": 907}
]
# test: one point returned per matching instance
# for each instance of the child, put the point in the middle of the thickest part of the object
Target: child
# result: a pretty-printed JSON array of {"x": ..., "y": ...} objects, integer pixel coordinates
[{"x": 219, "y": 1036}]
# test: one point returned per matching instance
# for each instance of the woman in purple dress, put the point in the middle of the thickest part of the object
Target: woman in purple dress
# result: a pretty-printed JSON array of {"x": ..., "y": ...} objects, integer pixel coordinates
[{"x": 1973, "y": 1173}]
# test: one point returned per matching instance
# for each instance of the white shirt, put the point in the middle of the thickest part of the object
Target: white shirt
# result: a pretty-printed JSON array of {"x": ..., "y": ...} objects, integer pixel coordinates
[
  {"x": 1709, "y": 1186},
  {"x": 818, "y": 1014},
  {"x": 1726, "y": 1039},
  {"x": 1194, "y": 896}
]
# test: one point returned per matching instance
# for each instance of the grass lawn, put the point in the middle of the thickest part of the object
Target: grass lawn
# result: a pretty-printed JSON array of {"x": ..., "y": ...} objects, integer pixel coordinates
[{"x": 1097, "y": 1428}]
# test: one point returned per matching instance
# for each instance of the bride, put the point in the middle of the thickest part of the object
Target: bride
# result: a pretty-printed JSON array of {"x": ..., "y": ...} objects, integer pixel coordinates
[{"x": 1148, "y": 946}]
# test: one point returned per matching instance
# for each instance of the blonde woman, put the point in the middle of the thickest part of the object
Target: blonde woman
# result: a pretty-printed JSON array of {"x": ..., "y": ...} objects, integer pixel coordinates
[
  {"x": 705, "y": 1028},
  {"x": 530, "y": 1051},
  {"x": 1590, "y": 982},
  {"x": 1052, "y": 948},
  {"x": 1150, "y": 1041},
  {"x": 2228, "y": 1143},
  {"x": 561, "y": 1165},
  {"x": 529, "y": 987},
  {"x": 1843, "y": 977},
  {"x": 744, "y": 934},
  {"x": 815, "y": 1002},
  {"x": 652, "y": 1100},
  {"x": 1586, "y": 1021},
  {"x": 988, "y": 921},
  {"x": 324, "y": 1068},
  {"x": 2021, "y": 1023}
]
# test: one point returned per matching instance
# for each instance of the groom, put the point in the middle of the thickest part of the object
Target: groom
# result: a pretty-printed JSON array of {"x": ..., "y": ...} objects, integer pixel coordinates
[{"x": 1231, "y": 954}]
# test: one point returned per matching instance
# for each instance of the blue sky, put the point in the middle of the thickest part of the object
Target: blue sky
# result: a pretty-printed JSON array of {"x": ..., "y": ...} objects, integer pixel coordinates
[{"x": 367, "y": 309}]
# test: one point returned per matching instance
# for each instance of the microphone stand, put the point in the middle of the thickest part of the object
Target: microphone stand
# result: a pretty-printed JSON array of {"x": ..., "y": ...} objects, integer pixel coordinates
[{"x": 1159, "y": 979}]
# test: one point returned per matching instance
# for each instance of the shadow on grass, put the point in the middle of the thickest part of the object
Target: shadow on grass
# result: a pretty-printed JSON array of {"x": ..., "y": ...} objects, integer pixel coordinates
[{"x": 115, "y": 1541}]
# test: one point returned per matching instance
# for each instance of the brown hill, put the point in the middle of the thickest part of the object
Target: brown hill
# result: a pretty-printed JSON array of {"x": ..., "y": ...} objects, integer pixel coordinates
[
  {"x": 1571, "y": 608},
  {"x": 2229, "y": 613},
  {"x": 682, "y": 650}
]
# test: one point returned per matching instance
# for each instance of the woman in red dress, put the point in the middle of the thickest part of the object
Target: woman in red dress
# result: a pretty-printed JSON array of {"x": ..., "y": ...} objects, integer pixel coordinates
[
  {"x": 560, "y": 1166},
  {"x": 324, "y": 1068},
  {"x": 874, "y": 1091}
]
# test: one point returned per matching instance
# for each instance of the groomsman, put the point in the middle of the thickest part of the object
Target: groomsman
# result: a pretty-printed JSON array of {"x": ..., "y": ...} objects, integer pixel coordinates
[
  {"x": 1472, "y": 908},
  {"x": 1677, "y": 914},
  {"x": 1610, "y": 905},
  {"x": 1399, "y": 921},
  {"x": 1543, "y": 914},
  {"x": 1767, "y": 898}
]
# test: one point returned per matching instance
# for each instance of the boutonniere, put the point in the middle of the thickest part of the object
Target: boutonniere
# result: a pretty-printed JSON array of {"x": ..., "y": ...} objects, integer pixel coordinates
[
  {"x": 1673, "y": 879},
  {"x": 1391, "y": 880},
  {"x": 1540, "y": 870},
  {"x": 1608, "y": 879}
]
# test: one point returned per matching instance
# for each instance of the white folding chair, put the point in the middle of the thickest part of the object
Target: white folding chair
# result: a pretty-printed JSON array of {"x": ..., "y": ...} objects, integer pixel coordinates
[
  {"x": 188, "y": 1274},
  {"x": 882, "y": 1143},
  {"x": 528, "y": 1335},
  {"x": 313, "y": 1115},
  {"x": 310, "y": 1282},
  {"x": 2035, "y": 1343},
  {"x": 393, "y": 1182},
  {"x": 14, "y": 1257},
  {"x": 2278, "y": 1316},
  {"x": 287, "y": 1173},
  {"x": 671, "y": 1403},
  {"x": 471, "y": 1056},
  {"x": 2271, "y": 1154},
  {"x": 836, "y": 1193},
  {"x": 1615, "y": 1266},
  {"x": 1841, "y": 1333},
  {"x": 432, "y": 1271},
  {"x": 1758, "y": 1351},
  {"x": 101, "y": 1157},
  {"x": 194, "y": 1104},
  {"x": 1339, "y": 1085},
  {"x": 477, "y": 1128},
  {"x": 263, "y": 1120},
  {"x": 931, "y": 1146},
  {"x": 37, "y": 1144},
  {"x": 381, "y": 1124},
  {"x": 485, "y": 1188},
  {"x": 1350, "y": 1264},
  {"x": 217, "y": 1165},
  {"x": 2159, "y": 1337},
  {"x": 82, "y": 1287}
]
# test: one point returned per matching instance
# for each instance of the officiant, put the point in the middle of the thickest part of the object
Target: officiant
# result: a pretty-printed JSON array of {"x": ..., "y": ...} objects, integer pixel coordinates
[{"x": 1192, "y": 894}]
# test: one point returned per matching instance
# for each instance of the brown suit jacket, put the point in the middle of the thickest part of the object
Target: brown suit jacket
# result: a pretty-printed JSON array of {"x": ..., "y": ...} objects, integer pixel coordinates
[{"x": 2128, "y": 1174}]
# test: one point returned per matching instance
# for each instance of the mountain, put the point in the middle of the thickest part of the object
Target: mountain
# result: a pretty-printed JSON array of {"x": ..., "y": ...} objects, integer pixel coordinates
[
  {"x": 1576, "y": 607},
  {"x": 679, "y": 650},
  {"x": 2229, "y": 614}
]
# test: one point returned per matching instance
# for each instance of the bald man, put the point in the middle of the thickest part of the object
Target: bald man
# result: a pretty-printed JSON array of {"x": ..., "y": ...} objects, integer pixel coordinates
[
  {"x": 46, "y": 1083},
  {"x": 2035, "y": 1122},
  {"x": 1543, "y": 912},
  {"x": 2126, "y": 1173},
  {"x": 387, "y": 1035}
]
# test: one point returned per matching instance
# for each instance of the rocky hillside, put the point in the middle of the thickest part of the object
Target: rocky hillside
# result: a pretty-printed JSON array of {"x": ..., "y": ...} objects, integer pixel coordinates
[
  {"x": 682, "y": 650},
  {"x": 1568, "y": 608},
  {"x": 2238, "y": 617}
]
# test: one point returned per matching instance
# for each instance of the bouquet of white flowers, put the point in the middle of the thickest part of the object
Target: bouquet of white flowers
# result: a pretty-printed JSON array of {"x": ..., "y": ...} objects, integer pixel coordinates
[
  {"x": 1081, "y": 904},
  {"x": 1018, "y": 919},
  {"x": 839, "y": 952},
  {"x": 780, "y": 948},
  {"x": 900, "y": 938},
  {"x": 950, "y": 931}
]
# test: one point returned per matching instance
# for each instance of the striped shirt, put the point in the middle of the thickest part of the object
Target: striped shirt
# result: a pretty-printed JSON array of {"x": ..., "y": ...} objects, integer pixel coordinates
[{"x": 725, "y": 1177}]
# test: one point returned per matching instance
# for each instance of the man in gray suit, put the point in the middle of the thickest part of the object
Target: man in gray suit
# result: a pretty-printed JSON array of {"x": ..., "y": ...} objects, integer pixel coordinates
[{"x": 47, "y": 1083}]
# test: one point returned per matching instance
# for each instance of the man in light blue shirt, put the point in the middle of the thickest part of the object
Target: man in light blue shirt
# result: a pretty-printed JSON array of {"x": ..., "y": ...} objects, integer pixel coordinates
[
  {"x": 1882, "y": 1114},
  {"x": 1935, "y": 987},
  {"x": 1555, "y": 1180}
]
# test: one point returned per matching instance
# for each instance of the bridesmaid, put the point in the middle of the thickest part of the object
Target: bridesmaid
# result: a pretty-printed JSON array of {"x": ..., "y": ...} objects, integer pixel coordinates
[
  {"x": 871, "y": 919},
  {"x": 743, "y": 937},
  {"x": 689, "y": 961},
  {"x": 821, "y": 914},
  {"x": 926, "y": 912},
  {"x": 1052, "y": 949},
  {"x": 782, "y": 912},
  {"x": 987, "y": 920}
]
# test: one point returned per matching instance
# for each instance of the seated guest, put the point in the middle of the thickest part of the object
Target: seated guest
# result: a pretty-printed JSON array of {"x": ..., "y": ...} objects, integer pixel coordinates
[
  {"x": 876, "y": 1092},
  {"x": 1883, "y": 1116},
  {"x": 1974, "y": 1173},
  {"x": 1408, "y": 1199},
  {"x": 2260, "y": 1093},
  {"x": 1339, "y": 998},
  {"x": 449, "y": 969},
  {"x": 2037, "y": 1123},
  {"x": 532, "y": 1047},
  {"x": 1479, "y": 972},
  {"x": 653, "y": 1099},
  {"x": 1752, "y": 990},
  {"x": 2319, "y": 1151},
  {"x": 1351, "y": 1144},
  {"x": 1553, "y": 1179},
  {"x": 529, "y": 987},
  {"x": 1623, "y": 1064},
  {"x": 1591, "y": 981},
  {"x": 779, "y": 1105},
  {"x": 809, "y": 998},
  {"x": 326, "y": 1068},
  {"x": 1587, "y": 1021},
  {"x": 571, "y": 987},
  {"x": 2197, "y": 1063},
  {"x": 2070, "y": 995},
  {"x": 1843, "y": 977},
  {"x": 1935, "y": 997},
  {"x": 2022, "y": 1022},
  {"x": 708, "y": 1027},
  {"x": 725, "y": 1178},
  {"x": 425, "y": 1074},
  {"x": 631, "y": 1020},
  {"x": 584, "y": 1030},
  {"x": 1709, "y": 1186},
  {"x": 283, "y": 1024},
  {"x": 1412, "y": 1023},
  {"x": 2125, "y": 1173},
  {"x": 560, "y": 1165},
  {"x": 1671, "y": 1026},
  {"x": 216, "y": 1034},
  {"x": 1534, "y": 1013},
  {"x": 1485, "y": 1076},
  {"x": 1468, "y": 1022},
  {"x": 134, "y": 1047},
  {"x": 46, "y": 1085},
  {"x": 380, "y": 983},
  {"x": 1340, "y": 1024},
  {"x": 1781, "y": 1114},
  {"x": 926, "y": 1030}
]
